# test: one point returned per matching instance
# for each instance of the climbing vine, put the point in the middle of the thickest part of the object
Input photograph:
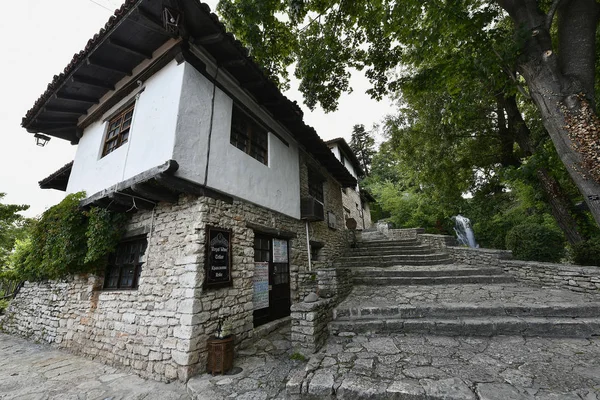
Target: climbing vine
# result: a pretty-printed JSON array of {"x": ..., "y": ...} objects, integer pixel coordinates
[{"x": 67, "y": 240}]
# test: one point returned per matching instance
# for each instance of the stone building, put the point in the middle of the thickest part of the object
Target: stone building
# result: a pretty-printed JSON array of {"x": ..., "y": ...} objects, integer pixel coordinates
[
  {"x": 232, "y": 196},
  {"x": 355, "y": 201}
]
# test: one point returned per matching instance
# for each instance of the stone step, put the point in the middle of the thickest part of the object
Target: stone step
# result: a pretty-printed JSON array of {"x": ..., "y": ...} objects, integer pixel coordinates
[
  {"x": 482, "y": 326},
  {"x": 382, "y": 251},
  {"x": 389, "y": 243},
  {"x": 465, "y": 310},
  {"x": 394, "y": 258},
  {"x": 433, "y": 271},
  {"x": 429, "y": 280},
  {"x": 387, "y": 261}
]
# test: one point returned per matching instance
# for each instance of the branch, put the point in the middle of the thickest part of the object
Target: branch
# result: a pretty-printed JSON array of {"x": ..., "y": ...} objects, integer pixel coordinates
[
  {"x": 511, "y": 75},
  {"x": 551, "y": 12}
]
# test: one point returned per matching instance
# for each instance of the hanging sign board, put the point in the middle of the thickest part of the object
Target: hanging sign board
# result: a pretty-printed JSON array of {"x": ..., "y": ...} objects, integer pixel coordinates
[
  {"x": 218, "y": 258},
  {"x": 280, "y": 251},
  {"x": 261, "y": 285}
]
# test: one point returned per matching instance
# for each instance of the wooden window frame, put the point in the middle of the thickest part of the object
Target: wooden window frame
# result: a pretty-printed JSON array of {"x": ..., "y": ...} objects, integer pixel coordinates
[
  {"x": 116, "y": 266},
  {"x": 118, "y": 122},
  {"x": 315, "y": 186},
  {"x": 249, "y": 135}
]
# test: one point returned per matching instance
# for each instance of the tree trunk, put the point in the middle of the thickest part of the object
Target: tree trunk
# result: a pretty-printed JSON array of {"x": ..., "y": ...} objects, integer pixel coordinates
[
  {"x": 559, "y": 203},
  {"x": 567, "y": 116}
]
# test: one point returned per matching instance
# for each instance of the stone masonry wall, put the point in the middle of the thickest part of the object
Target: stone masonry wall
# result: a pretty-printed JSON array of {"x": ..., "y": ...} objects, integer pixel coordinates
[
  {"x": 572, "y": 277},
  {"x": 334, "y": 239},
  {"x": 309, "y": 325},
  {"x": 145, "y": 329},
  {"x": 310, "y": 320},
  {"x": 353, "y": 209},
  {"x": 160, "y": 329}
]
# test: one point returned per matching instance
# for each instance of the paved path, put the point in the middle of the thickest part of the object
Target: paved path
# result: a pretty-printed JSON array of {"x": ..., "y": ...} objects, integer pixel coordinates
[
  {"x": 454, "y": 368},
  {"x": 265, "y": 369},
  {"x": 30, "y": 371}
]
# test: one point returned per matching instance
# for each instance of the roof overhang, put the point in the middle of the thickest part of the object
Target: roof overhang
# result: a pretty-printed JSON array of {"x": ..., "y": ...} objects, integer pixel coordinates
[
  {"x": 345, "y": 147},
  {"x": 145, "y": 190},
  {"x": 58, "y": 180},
  {"x": 133, "y": 35}
]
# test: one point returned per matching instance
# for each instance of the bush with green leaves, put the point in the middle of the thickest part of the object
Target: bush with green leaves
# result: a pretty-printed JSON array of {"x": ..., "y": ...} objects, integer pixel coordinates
[
  {"x": 536, "y": 242},
  {"x": 587, "y": 253},
  {"x": 67, "y": 240}
]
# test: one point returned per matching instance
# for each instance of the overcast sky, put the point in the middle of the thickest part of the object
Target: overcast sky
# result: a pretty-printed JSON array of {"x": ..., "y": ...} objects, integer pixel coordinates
[{"x": 39, "y": 38}]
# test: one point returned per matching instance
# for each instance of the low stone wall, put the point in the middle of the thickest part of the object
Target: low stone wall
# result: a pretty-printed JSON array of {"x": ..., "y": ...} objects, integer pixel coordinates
[
  {"x": 480, "y": 257},
  {"x": 438, "y": 242},
  {"x": 404, "y": 234},
  {"x": 310, "y": 320},
  {"x": 572, "y": 277},
  {"x": 309, "y": 325}
]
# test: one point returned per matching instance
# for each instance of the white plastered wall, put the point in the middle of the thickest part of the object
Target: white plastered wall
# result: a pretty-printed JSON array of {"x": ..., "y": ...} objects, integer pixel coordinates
[
  {"x": 275, "y": 186},
  {"x": 151, "y": 138}
]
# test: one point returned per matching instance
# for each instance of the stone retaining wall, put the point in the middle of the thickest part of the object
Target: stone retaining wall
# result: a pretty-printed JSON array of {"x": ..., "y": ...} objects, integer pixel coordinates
[
  {"x": 310, "y": 320},
  {"x": 309, "y": 325},
  {"x": 437, "y": 242},
  {"x": 572, "y": 277}
]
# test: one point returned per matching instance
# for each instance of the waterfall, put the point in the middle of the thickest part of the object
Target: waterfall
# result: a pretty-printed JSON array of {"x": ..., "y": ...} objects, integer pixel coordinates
[{"x": 464, "y": 231}]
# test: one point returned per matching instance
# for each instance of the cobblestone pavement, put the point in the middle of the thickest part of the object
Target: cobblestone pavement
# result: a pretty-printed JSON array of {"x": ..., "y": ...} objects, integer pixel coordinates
[
  {"x": 504, "y": 294},
  {"x": 265, "y": 367},
  {"x": 438, "y": 367},
  {"x": 30, "y": 371}
]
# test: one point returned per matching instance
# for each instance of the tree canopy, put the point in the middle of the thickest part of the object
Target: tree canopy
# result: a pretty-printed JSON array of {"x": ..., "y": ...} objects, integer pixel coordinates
[
  {"x": 12, "y": 228},
  {"x": 516, "y": 46}
]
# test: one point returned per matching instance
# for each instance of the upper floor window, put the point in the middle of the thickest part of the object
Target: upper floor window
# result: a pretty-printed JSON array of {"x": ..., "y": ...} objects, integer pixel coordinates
[
  {"x": 125, "y": 265},
  {"x": 315, "y": 185},
  {"x": 118, "y": 131},
  {"x": 248, "y": 136}
]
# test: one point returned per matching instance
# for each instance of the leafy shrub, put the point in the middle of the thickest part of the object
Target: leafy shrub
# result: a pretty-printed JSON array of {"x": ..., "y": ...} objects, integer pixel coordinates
[
  {"x": 587, "y": 253},
  {"x": 67, "y": 240},
  {"x": 535, "y": 242}
]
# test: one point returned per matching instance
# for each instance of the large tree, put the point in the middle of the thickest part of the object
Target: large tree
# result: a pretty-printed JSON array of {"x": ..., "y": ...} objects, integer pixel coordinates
[
  {"x": 362, "y": 144},
  {"x": 388, "y": 39}
]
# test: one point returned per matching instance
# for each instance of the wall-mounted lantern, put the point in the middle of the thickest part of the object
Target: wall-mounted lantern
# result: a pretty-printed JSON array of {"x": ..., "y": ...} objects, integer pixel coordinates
[{"x": 41, "y": 140}]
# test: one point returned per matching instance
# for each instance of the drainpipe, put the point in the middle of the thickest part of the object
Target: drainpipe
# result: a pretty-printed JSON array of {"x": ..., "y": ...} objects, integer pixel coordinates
[{"x": 308, "y": 249}]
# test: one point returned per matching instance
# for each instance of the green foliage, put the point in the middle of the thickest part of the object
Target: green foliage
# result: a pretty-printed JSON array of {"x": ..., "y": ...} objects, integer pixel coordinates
[
  {"x": 103, "y": 233},
  {"x": 535, "y": 242},
  {"x": 588, "y": 252},
  {"x": 67, "y": 240},
  {"x": 297, "y": 356},
  {"x": 13, "y": 226},
  {"x": 3, "y": 305}
]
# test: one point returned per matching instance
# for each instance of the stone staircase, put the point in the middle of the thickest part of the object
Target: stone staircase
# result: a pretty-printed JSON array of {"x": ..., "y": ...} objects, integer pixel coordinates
[{"x": 405, "y": 287}]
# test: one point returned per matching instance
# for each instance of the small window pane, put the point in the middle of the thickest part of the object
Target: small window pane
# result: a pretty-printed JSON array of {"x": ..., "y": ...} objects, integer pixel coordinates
[
  {"x": 249, "y": 136},
  {"x": 125, "y": 266},
  {"x": 118, "y": 131}
]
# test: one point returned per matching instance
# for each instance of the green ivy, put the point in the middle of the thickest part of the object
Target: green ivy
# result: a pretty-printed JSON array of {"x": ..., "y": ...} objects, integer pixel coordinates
[{"x": 67, "y": 240}]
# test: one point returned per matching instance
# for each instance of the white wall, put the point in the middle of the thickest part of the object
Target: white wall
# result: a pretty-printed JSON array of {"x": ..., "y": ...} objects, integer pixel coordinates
[
  {"x": 275, "y": 186},
  {"x": 151, "y": 138}
]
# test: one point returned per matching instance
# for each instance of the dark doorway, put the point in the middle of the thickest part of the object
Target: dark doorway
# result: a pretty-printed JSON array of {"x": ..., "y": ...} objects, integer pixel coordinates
[{"x": 275, "y": 253}]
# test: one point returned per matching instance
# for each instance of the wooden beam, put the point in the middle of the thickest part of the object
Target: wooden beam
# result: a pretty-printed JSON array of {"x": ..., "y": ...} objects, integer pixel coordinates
[
  {"x": 102, "y": 65},
  {"x": 150, "y": 22},
  {"x": 154, "y": 193},
  {"x": 132, "y": 202},
  {"x": 54, "y": 128},
  {"x": 234, "y": 63},
  {"x": 55, "y": 121},
  {"x": 129, "y": 48},
  {"x": 65, "y": 110},
  {"x": 92, "y": 82},
  {"x": 209, "y": 39},
  {"x": 76, "y": 97},
  {"x": 252, "y": 84}
]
